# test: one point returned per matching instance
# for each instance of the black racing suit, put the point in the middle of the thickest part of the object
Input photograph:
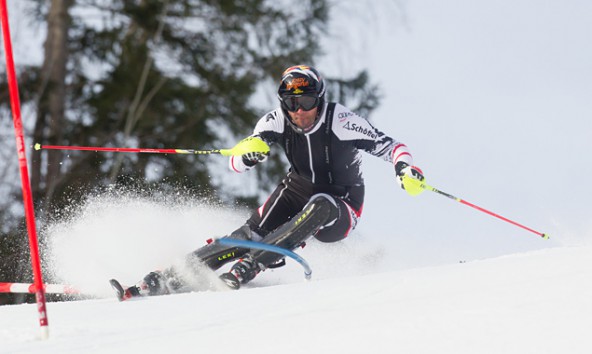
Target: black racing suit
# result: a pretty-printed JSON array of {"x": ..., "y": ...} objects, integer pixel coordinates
[
  {"x": 325, "y": 175},
  {"x": 326, "y": 159}
]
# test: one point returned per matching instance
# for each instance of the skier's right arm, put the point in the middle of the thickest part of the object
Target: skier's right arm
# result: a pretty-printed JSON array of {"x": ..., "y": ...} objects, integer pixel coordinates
[{"x": 269, "y": 128}]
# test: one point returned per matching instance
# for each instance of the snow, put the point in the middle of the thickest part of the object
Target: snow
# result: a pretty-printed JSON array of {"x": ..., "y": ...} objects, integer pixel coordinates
[
  {"x": 536, "y": 302},
  {"x": 360, "y": 298}
]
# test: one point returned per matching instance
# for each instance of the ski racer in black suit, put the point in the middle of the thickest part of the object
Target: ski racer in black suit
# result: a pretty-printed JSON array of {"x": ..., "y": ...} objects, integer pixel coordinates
[{"x": 322, "y": 142}]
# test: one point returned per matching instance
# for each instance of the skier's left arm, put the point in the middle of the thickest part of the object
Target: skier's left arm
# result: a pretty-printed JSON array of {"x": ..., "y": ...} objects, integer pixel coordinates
[
  {"x": 366, "y": 137},
  {"x": 404, "y": 167}
]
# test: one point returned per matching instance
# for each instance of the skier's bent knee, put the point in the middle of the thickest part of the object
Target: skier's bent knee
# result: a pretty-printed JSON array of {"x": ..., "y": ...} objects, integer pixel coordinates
[{"x": 327, "y": 202}]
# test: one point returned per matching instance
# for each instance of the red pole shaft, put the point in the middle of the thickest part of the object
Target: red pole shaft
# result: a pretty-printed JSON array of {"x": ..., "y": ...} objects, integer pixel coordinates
[
  {"x": 435, "y": 190},
  {"x": 426, "y": 186},
  {"x": 26, "y": 186},
  {"x": 118, "y": 149},
  {"x": 501, "y": 217}
]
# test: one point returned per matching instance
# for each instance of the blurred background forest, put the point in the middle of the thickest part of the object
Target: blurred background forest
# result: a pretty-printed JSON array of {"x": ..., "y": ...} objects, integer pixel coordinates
[{"x": 151, "y": 74}]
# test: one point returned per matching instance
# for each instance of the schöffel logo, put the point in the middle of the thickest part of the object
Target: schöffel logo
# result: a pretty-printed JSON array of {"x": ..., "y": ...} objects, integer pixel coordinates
[{"x": 356, "y": 128}]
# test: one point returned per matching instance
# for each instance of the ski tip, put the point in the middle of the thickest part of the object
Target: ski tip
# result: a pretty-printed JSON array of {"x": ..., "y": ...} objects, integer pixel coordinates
[
  {"x": 37, "y": 146},
  {"x": 120, "y": 292},
  {"x": 230, "y": 280},
  {"x": 545, "y": 236}
]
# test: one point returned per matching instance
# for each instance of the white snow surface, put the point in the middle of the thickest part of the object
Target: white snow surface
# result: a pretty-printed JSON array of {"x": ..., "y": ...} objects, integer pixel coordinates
[
  {"x": 358, "y": 300},
  {"x": 536, "y": 302}
]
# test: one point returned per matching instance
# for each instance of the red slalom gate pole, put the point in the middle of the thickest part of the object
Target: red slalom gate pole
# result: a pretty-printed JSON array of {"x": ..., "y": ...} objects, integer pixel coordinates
[
  {"x": 26, "y": 185},
  {"x": 28, "y": 288}
]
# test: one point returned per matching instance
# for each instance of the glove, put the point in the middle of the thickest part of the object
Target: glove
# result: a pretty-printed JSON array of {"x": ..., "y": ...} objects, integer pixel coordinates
[
  {"x": 250, "y": 159},
  {"x": 402, "y": 169}
]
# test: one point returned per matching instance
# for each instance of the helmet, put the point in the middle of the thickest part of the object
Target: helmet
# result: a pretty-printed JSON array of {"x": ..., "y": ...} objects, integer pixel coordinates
[
  {"x": 301, "y": 80},
  {"x": 301, "y": 87}
]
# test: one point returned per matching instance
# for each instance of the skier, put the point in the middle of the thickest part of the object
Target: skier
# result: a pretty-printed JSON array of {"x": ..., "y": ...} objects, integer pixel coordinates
[{"x": 321, "y": 196}]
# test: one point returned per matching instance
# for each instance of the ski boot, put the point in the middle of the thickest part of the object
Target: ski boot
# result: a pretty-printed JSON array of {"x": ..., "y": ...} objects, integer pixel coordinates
[
  {"x": 155, "y": 283},
  {"x": 241, "y": 272}
]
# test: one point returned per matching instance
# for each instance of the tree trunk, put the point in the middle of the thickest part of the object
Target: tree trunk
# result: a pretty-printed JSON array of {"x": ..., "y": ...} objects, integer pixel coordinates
[{"x": 50, "y": 116}]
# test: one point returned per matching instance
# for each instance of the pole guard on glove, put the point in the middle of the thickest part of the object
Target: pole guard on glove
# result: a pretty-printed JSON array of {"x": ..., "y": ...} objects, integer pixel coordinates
[
  {"x": 250, "y": 159},
  {"x": 405, "y": 173}
]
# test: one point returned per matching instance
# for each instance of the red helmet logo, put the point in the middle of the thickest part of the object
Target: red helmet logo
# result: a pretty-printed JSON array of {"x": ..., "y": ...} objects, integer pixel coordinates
[{"x": 296, "y": 83}]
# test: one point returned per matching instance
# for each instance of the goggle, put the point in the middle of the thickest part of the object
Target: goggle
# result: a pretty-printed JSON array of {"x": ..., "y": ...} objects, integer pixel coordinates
[{"x": 293, "y": 103}]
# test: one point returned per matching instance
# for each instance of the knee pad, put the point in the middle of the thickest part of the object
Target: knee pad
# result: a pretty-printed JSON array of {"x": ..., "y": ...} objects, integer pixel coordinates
[
  {"x": 325, "y": 204},
  {"x": 320, "y": 211}
]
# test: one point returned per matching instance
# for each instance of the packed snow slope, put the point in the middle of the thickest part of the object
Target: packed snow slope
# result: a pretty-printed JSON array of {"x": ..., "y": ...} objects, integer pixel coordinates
[
  {"x": 537, "y": 302},
  {"x": 360, "y": 299}
]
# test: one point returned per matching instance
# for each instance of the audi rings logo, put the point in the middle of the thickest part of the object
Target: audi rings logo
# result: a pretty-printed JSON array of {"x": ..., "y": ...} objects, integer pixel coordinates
[{"x": 344, "y": 115}]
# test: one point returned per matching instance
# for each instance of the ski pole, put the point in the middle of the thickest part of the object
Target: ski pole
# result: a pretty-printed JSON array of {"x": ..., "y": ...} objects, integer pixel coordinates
[
  {"x": 421, "y": 184},
  {"x": 250, "y": 144},
  {"x": 123, "y": 149},
  {"x": 267, "y": 247},
  {"x": 30, "y": 288}
]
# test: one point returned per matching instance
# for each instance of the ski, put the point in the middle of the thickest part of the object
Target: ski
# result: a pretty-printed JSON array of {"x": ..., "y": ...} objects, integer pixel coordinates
[
  {"x": 118, "y": 289},
  {"x": 230, "y": 280},
  {"x": 123, "y": 294},
  {"x": 227, "y": 278}
]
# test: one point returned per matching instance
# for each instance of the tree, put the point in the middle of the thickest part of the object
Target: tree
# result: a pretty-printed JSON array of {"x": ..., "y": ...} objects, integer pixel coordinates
[
  {"x": 157, "y": 74},
  {"x": 52, "y": 98}
]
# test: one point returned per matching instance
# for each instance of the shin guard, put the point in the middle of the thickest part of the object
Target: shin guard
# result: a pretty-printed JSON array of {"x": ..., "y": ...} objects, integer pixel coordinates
[{"x": 320, "y": 211}]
